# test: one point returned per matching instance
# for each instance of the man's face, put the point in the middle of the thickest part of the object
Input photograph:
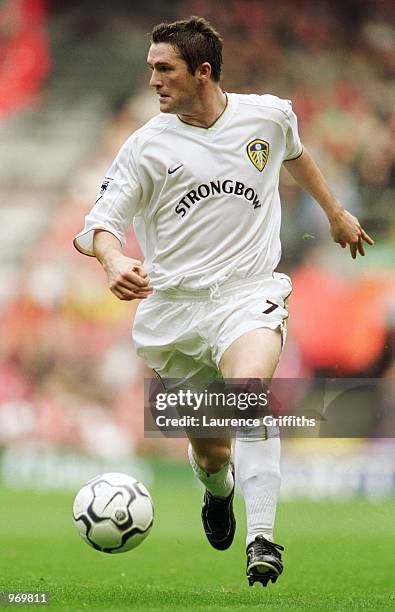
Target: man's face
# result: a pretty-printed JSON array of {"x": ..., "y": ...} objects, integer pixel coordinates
[{"x": 174, "y": 84}]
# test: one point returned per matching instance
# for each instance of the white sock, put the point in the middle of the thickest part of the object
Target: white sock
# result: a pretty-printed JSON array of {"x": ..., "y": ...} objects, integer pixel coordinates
[
  {"x": 220, "y": 484},
  {"x": 258, "y": 476}
]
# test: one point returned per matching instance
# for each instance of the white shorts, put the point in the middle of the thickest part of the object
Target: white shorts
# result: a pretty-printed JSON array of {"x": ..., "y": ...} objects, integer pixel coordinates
[{"x": 183, "y": 334}]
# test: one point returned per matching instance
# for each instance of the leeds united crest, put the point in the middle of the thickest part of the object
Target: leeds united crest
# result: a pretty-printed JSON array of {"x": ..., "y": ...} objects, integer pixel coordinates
[{"x": 258, "y": 152}]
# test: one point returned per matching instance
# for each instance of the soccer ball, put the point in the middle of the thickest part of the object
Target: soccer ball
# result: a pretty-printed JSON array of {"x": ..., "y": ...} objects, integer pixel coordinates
[{"x": 113, "y": 513}]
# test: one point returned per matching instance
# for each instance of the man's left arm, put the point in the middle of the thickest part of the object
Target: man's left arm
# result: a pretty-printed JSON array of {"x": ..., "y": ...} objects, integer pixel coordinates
[{"x": 344, "y": 227}]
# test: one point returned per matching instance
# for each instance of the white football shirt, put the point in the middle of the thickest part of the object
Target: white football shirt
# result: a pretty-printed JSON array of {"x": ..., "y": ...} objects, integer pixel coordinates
[{"x": 204, "y": 201}]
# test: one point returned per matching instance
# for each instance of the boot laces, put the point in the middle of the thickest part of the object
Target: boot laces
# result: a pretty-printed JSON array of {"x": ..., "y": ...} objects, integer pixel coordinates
[{"x": 263, "y": 546}]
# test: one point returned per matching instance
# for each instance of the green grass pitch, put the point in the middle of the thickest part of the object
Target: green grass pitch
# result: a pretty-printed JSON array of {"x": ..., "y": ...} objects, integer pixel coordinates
[{"x": 339, "y": 556}]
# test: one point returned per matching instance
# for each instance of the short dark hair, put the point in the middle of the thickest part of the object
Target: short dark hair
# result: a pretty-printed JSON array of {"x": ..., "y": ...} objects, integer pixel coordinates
[{"x": 196, "y": 40}]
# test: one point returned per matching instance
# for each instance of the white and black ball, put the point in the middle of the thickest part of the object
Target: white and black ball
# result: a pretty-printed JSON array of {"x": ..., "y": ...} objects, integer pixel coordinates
[{"x": 113, "y": 512}]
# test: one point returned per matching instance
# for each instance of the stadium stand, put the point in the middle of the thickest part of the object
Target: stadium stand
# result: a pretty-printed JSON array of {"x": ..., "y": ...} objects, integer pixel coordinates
[{"x": 64, "y": 350}]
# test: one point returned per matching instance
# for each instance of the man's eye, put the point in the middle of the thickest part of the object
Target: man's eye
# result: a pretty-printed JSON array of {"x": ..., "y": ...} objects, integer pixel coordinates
[{"x": 160, "y": 68}]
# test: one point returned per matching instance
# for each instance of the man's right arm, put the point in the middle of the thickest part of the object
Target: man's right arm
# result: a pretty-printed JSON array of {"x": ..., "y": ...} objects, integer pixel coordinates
[
  {"x": 127, "y": 279},
  {"x": 344, "y": 227}
]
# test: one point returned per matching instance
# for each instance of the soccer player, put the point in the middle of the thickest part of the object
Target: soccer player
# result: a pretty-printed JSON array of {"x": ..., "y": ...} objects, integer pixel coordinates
[{"x": 200, "y": 182}]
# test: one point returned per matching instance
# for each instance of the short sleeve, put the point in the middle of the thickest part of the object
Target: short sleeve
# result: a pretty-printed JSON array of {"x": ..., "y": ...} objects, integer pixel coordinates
[
  {"x": 293, "y": 146},
  {"x": 117, "y": 203}
]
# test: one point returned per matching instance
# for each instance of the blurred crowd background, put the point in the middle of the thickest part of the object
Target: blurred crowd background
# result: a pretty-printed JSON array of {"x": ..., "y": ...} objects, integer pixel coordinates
[{"x": 73, "y": 86}]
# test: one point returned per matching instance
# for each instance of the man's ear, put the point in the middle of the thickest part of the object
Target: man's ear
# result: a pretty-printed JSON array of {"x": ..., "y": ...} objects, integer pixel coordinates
[{"x": 204, "y": 72}]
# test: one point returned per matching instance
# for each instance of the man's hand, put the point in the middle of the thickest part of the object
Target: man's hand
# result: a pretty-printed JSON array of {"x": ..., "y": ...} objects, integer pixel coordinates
[
  {"x": 346, "y": 229},
  {"x": 127, "y": 278}
]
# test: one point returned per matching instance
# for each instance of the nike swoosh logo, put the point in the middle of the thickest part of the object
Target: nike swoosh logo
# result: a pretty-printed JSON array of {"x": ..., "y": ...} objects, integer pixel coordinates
[{"x": 174, "y": 169}]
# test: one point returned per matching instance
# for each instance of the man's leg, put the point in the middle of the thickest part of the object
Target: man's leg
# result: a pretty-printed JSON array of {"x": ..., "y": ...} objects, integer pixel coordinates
[
  {"x": 255, "y": 356},
  {"x": 210, "y": 459}
]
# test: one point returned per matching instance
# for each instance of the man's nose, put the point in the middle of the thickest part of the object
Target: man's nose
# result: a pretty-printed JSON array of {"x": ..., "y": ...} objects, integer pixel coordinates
[{"x": 155, "y": 81}]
